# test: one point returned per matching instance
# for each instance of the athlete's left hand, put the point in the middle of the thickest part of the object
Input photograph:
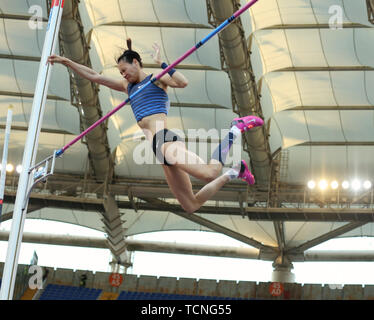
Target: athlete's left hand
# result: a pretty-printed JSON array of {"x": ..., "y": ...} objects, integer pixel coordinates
[{"x": 156, "y": 54}]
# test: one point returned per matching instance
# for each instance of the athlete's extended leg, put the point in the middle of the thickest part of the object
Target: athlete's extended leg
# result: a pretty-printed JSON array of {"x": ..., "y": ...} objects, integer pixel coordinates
[{"x": 176, "y": 153}]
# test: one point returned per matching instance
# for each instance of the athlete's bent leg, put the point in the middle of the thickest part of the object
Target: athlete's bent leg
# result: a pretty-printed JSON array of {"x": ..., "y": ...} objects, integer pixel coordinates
[{"x": 180, "y": 185}]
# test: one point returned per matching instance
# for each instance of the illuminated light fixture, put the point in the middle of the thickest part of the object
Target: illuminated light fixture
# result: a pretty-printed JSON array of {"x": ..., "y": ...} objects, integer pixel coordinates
[
  {"x": 323, "y": 184},
  {"x": 9, "y": 167},
  {"x": 356, "y": 185},
  {"x": 367, "y": 184},
  {"x": 19, "y": 168},
  {"x": 345, "y": 184},
  {"x": 311, "y": 184},
  {"x": 334, "y": 185}
]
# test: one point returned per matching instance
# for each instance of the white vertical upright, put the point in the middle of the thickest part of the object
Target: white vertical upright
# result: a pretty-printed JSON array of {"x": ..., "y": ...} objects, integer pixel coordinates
[
  {"x": 29, "y": 155},
  {"x": 5, "y": 156}
]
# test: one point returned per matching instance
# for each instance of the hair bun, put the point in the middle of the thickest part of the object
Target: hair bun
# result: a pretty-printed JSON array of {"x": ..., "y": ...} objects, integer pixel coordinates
[
  {"x": 129, "y": 55},
  {"x": 129, "y": 44}
]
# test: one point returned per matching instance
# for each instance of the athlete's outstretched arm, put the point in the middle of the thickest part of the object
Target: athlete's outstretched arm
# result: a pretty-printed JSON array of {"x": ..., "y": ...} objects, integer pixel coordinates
[
  {"x": 178, "y": 80},
  {"x": 89, "y": 74}
]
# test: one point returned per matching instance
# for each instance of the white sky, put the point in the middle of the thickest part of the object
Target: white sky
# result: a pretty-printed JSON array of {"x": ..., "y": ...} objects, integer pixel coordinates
[{"x": 200, "y": 267}]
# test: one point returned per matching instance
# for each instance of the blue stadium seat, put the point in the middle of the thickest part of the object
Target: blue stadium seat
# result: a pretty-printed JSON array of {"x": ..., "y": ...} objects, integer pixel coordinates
[{"x": 61, "y": 292}]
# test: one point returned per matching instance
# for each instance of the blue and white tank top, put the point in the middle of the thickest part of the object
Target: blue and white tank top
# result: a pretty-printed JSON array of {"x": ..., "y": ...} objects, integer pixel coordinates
[{"x": 150, "y": 100}]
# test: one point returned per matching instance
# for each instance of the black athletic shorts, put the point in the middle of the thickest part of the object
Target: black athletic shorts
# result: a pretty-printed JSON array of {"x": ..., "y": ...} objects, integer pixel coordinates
[{"x": 159, "y": 139}]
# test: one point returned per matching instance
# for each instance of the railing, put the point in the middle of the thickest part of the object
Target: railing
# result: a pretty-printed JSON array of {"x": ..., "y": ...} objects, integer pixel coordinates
[{"x": 370, "y": 5}]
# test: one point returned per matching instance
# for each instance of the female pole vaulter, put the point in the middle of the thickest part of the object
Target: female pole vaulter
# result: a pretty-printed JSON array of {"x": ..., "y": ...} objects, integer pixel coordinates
[{"x": 150, "y": 108}]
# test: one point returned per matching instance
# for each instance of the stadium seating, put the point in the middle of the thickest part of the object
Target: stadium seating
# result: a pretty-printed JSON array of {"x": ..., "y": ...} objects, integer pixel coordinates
[
  {"x": 60, "y": 292},
  {"x": 64, "y": 284},
  {"x": 129, "y": 295},
  {"x": 63, "y": 292}
]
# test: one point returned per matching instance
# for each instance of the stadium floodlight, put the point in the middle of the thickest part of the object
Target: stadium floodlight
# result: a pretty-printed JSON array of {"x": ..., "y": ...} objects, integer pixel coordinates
[
  {"x": 323, "y": 184},
  {"x": 356, "y": 185},
  {"x": 345, "y": 184},
  {"x": 9, "y": 167},
  {"x": 367, "y": 184},
  {"x": 19, "y": 168},
  {"x": 334, "y": 184},
  {"x": 311, "y": 184}
]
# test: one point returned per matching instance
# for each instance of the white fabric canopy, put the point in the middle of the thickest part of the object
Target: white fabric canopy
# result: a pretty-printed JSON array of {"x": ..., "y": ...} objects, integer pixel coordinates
[{"x": 315, "y": 84}]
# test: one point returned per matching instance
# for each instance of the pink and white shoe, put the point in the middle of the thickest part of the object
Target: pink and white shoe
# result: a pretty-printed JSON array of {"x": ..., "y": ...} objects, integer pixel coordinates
[
  {"x": 245, "y": 174},
  {"x": 247, "y": 123}
]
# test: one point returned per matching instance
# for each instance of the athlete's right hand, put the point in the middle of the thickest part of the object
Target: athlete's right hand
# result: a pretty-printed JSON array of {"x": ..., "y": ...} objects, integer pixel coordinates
[{"x": 56, "y": 59}]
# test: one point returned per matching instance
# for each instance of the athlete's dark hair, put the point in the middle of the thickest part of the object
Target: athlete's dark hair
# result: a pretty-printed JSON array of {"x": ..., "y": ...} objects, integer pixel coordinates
[{"x": 129, "y": 55}]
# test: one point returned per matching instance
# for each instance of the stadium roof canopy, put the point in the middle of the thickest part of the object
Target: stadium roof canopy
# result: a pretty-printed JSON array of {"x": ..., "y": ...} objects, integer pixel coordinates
[{"x": 306, "y": 68}]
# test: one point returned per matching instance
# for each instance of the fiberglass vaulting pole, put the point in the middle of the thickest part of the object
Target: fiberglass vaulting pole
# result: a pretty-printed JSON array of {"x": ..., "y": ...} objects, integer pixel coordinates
[
  {"x": 5, "y": 156},
  {"x": 222, "y": 26},
  {"x": 26, "y": 178}
]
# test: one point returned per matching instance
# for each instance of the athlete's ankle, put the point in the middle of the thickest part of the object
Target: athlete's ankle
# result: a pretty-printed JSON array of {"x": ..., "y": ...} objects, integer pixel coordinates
[
  {"x": 236, "y": 131},
  {"x": 233, "y": 172}
]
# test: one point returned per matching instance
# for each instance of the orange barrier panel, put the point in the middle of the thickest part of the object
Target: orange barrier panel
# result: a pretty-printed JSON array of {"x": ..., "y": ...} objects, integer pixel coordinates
[
  {"x": 109, "y": 296},
  {"x": 29, "y": 294}
]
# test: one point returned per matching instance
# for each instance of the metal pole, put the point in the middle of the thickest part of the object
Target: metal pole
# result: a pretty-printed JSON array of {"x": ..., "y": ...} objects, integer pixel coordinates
[
  {"x": 29, "y": 155},
  {"x": 222, "y": 26},
  {"x": 5, "y": 156}
]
